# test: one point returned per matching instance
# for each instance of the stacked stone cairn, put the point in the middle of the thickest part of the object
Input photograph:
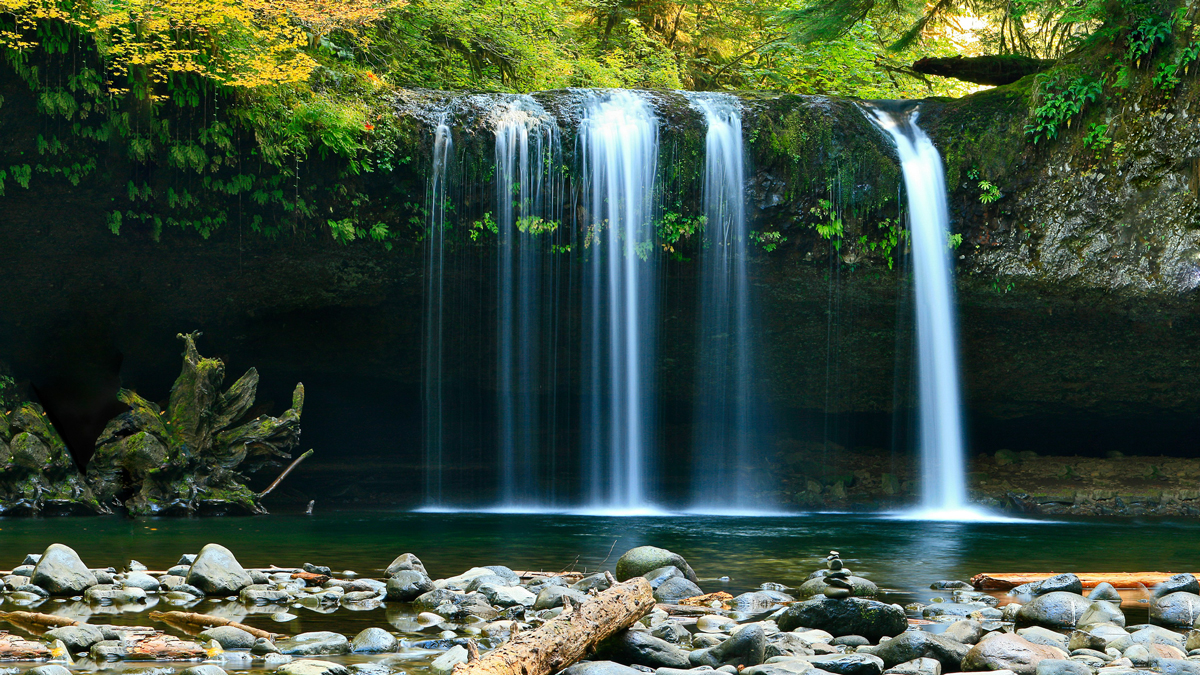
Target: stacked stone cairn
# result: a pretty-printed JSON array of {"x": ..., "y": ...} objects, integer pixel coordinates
[{"x": 831, "y": 624}]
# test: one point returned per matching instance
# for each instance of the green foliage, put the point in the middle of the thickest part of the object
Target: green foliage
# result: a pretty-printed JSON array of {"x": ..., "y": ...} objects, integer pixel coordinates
[
  {"x": 1060, "y": 101},
  {"x": 535, "y": 225},
  {"x": 486, "y": 224},
  {"x": 887, "y": 244},
  {"x": 953, "y": 241},
  {"x": 769, "y": 241},
  {"x": 1097, "y": 137},
  {"x": 829, "y": 225},
  {"x": 673, "y": 226}
]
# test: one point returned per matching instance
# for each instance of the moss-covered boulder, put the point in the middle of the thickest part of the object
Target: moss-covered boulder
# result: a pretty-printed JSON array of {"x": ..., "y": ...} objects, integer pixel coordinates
[
  {"x": 644, "y": 559},
  {"x": 37, "y": 473}
]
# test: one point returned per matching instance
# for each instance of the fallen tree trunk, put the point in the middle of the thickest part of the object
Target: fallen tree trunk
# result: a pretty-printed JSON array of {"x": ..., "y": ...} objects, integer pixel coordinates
[
  {"x": 1004, "y": 582},
  {"x": 992, "y": 70},
  {"x": 158, "y": 646},
  {"x": 568, "y": 637},
  {"x": 185, "y": 620},
  {"x": 37, "y": 619}
]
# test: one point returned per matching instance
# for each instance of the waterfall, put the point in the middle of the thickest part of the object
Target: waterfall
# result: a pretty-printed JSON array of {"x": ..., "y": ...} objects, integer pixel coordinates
[
  {"x": 528, "y": 202},
  {"x": 618, "y": 146},
  {"x": 432, "y": 377},
  {"x": 943, "y": 465},
  {"x": 723, "y": 445}
]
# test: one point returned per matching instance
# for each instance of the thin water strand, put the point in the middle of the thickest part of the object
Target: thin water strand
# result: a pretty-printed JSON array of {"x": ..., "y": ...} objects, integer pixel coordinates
[{"x": 432, "y": 377}]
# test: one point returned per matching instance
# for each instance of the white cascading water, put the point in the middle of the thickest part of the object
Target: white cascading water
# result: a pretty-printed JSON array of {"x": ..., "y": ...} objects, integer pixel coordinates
[
  {"x": 433, "y": 394},
  {"x": 723, "y": 444},
  {"x": 618, "y": 146},
  {"x": 528, "y": 197},
  {"x": 943, "y": 464}
]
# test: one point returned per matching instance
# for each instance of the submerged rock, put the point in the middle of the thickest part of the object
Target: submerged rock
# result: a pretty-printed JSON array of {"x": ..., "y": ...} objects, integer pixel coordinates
[
  {"x": 61, "y": 572},
  {"x": 1056, "y": 609},
  {"x": 374, "y": 641},
  {"x": 314, "y": 643},
  {"x": 408, "y": 585}
]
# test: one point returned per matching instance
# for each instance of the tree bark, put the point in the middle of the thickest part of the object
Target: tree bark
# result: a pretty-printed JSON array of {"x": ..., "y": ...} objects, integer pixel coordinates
[
  {"x": 991, "y": 70},
  {"x": 1004, "y": 582},
  {"x": 13, "y": 648},
  {"x": 568, "y": 637},
  {"x": 45, "y": 621}
]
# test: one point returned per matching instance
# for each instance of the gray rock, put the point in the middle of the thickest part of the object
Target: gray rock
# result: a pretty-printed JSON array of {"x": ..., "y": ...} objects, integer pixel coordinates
[
  {"x": 966, "y": 631},
  {"x": 850, "y": 641},
  {"x": 259, "y": 576},
  {"x": 757, "y": 602},
  {"x": 35, "y": 590},
  {"x": 508, "y": 596},
  {"x": 1083, "y": 640},
  {"x": 444, "y": 664},
  {"x": 205, "y": 669},
  {"x": 1006, "y": 651},
  {"x": 638, "y": 561},
  {"x": 1177, "y": 666},
  {"x": 705, "y": 640},
  {"x": 1067, "y": 583},
  {"x": 316, "y": 569},
  {"x": 673, "y": 632},
  {"x": 639, "y": 647},
  {"x": 850, "y": 616},
  {"x": 274, "y": 660},
  {"x": 492, "y": 579},
  {"x": 918, "y": 644},
  {"x": 77, "y": 638},
  {"x": 949, "y": 609},
  {"x": 240, "y": 660},
  {"x": 141, "y": 580},
  {"x": 1091, "y": 654},
  {"x": 1101, "y": 611},
  {"x": 217, "y": 572},
  {"x": 106, "y": 650},
  {"x": 1061, "y": 667},
  {"x": 746, "y": 647},
  {"x": 311, "y": 644},
  {"x": 31, "y": 559},
  {"x": 374, "y": 641},
  {"x": 1180, "y": 583},
  {"x": 24, "y": 570},
  {"x": 1192, "y": 641},
  {"x": 1042, "y": 636},
  {"x": 61, "y": 572},
  {"x": 261, "y": 594},
  {"x": 676, "y": 589},
  {"x": 1138, "y": 654},
  {"x": 1104, "y": 591},
  {"x": 228, "y": 637},
  {"x": 312, "y": 667},
  {"x": 951, "y": 586},
  {"x": 49, "y": 669},
  {"x": 405, "y": 561},
  {"x": 787, "y": 644},
  {"x": 657, "y": 577},
  {"x": 1148, "y": 636},
  {"x": 407, "y": 585},
  {"x": 1180, "y": 609},
  {"x": 781, "y": 667},
  {"x": 1056, "y": 609},
  {"x": 263, "y": 646},
  {"x": 599, "y": 668},
  {"x": 510, "y": 577},
  {"x": 848, "y": 664},
  {"x": 552, "y": 596},
  {"x": 187, "y": 588},
  {"x": 916, "y": 667},
  {"x": 862, "y": 588},
  {"x": 594, "y": 581}
]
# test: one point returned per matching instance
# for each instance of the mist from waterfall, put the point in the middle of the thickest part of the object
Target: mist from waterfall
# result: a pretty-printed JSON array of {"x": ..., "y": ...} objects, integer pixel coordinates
[
  {"x": 618, "y": 150},
  {"x": 529, "y": 199},
  {"x": 940, "y": 429},
  {"x": 724, "y": 444},
  {"x": 432, "y": 394}
]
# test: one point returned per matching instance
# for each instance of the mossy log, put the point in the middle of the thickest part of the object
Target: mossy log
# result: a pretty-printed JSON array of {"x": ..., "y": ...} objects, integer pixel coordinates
[
  {"x": 193, "y": 456},
  {"x": 994, "y": 70},
  {"x": 569, "y": 636}
]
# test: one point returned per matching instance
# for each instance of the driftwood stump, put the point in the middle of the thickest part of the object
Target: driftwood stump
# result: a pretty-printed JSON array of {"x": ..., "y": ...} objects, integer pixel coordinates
[{"x": 568, "y": 637}]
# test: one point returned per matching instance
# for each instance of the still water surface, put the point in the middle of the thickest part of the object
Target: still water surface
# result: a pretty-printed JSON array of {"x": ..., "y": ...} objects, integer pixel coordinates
[{"x": 902, "y": 557}]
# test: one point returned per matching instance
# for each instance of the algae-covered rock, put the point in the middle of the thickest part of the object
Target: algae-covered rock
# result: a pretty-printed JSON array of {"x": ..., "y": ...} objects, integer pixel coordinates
[
  {"x": 848, "y": 616},
  {"x": 643, "y": 559}
]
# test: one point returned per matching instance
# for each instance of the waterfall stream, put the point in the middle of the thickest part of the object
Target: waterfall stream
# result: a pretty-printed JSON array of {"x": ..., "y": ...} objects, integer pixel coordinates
[
  {"x": 943, "y": 461},
  {"x": 618, "y": 142},
  {"x": 432, "y": 378},
  {"x": 724, "y": 446}
]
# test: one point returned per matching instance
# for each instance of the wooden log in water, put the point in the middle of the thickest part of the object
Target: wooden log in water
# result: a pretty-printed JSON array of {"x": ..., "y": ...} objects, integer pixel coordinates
[
  {"x": 158, "y": 646},
  {"x": 14, "y": 648},
  {"x": 37, "y": 620},
  {"x": 569, "y": 636},
  {"x": 185, "y": 620},
  {"x": 1004, "y": 582}
]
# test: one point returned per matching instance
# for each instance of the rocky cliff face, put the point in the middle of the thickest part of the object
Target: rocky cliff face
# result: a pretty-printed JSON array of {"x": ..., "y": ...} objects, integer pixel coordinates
[{"x": 1075, "y": 285}]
